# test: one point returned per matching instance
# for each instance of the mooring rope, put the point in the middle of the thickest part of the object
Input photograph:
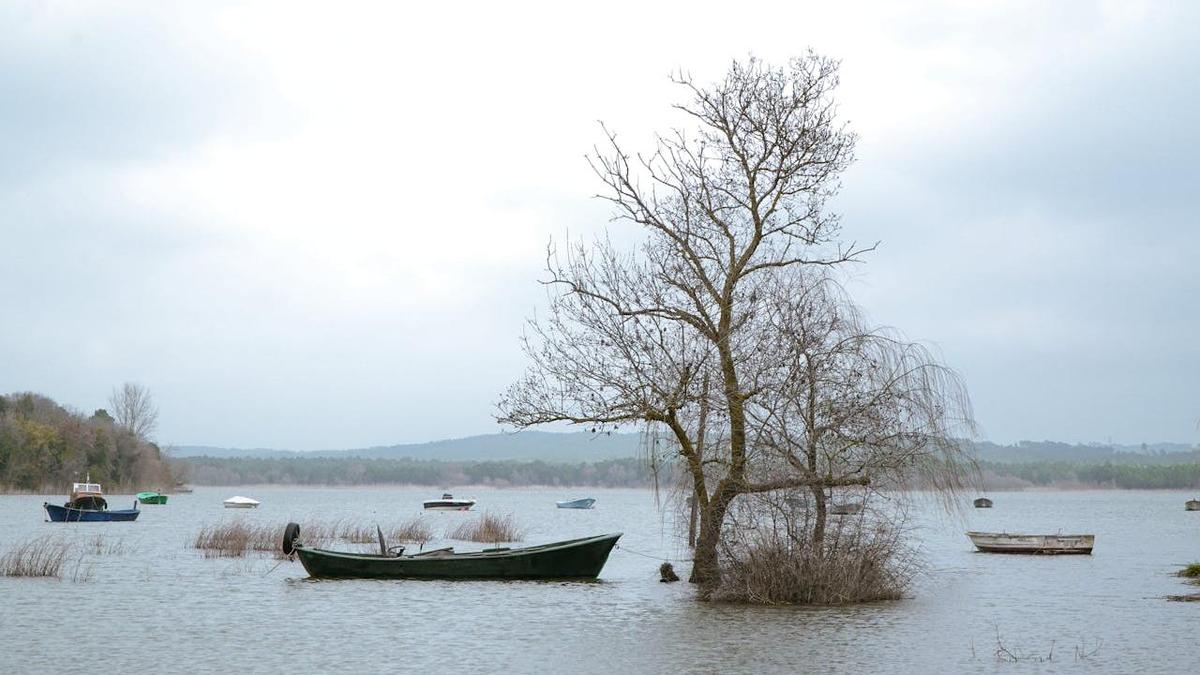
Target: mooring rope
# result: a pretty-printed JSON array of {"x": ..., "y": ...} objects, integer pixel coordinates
[{"x": 647, "y": 555}]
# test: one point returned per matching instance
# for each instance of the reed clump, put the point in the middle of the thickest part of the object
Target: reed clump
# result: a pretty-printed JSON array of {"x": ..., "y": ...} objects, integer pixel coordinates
[
  {"x": 410, "y": 531},
  {"x": 233, "y": 539},
  {"x": 99, "y": 545},
  {"x": 40, "y": 557},
  {"x": 489, "y": 528},
  {"x": 224, "y": 540}
]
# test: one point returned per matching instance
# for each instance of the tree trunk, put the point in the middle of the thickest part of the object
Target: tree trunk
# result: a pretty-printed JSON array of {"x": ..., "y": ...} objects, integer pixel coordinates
[
  {"x": 818, "y": 535},
  {"x": 706, "y": 568}
]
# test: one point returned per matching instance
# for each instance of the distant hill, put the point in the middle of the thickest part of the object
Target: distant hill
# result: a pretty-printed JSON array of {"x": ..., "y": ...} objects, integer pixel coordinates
[
  {"x": 523, "y": 445},
  {"x": 1091, "y": 453},
  {"x": 586, "y": 447}
]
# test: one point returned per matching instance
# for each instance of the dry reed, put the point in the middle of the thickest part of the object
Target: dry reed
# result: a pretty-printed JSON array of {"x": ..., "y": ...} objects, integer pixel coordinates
[
  {"x": 40, "y": 557},
  {"x": 233, "y": 539},
  {"x": 487, "y": 528}
]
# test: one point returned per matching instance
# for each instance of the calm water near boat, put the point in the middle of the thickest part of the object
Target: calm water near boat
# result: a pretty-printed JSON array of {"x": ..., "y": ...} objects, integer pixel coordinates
[{"x": 159, "y": 604}]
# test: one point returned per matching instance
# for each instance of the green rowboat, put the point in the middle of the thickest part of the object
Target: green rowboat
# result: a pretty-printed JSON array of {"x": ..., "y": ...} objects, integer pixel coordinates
[
  {"x": 574, "y": 559},
  {"x": 151, "y": 498}
]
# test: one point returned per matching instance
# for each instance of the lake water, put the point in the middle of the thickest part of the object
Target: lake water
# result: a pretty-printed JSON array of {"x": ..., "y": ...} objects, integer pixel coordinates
[{"x": 161, "y": 606}]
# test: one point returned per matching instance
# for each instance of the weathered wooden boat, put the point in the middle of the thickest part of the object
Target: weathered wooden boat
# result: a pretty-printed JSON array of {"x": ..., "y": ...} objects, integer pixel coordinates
[
  {"x": 983, "y": 503},
  {"x": 574, "y": 559},
  {"x": 1048, "y": 544},
  {"x": 448, "y": 503},
  {"x": 847, "y": 509},
  {"x": 87, "y": 504},
  {"x": 585, "y": 503},
  {"x": 241, "y": 503},
  {"x": 151, "y": 498},
  {"x": 1192, "y": 505}
]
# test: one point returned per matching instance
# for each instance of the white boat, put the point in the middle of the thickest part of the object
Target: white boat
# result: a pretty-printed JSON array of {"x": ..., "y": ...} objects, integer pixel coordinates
[
  {"x": 584, "y": 503},
  {"x": 449, "y": 503},
  {"x": 241, "y": 503},
  {"x": 1053, "y": 544},
  {"x": 847, "y": 509}
]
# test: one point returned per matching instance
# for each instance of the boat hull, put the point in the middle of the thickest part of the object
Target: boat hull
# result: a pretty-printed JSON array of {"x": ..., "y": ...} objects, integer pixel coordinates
[
  {"x": 577, "y": 504},
  {"x": 1040, "y": 544},
  {"x": 63, "y": 514},
  {"x": 151, "y": 498},
  {"x": 1192, "y": 505},
  {"x": 240, "y": 506},
  {"x": 454, "y": 505},
  {"x": 575, "y": 559}
]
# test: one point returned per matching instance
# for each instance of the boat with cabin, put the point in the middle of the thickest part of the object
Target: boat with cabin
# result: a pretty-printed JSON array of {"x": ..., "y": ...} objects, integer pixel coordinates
[
  {"x": 584, "y": 503},
  {"x": 573, "y": 559},
  {"x": 87, "y": 504},
  {"x": 151, "y": 498},
  {"x": 1045, "y": 544},
  {"x": 448, "y": 503}
]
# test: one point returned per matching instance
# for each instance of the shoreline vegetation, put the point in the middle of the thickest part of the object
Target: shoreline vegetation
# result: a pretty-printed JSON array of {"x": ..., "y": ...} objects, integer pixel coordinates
[
  {"x": 633, "y": 472},
  {"x": 44, "y": 447}
]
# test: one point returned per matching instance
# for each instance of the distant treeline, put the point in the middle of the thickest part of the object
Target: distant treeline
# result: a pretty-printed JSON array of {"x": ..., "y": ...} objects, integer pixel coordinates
[
  {"x": 629, "y": 472},
  {"x": 1124, "y": 475},
  {"x": 46, "y": 447}
]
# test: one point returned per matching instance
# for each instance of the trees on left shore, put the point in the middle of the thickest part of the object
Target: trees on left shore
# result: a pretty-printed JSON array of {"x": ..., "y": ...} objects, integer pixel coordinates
[{"x": 44, "y": 445}]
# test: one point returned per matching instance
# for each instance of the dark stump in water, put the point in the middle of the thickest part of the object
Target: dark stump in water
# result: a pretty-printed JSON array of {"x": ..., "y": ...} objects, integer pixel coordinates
[{"x": 667, "y": 573}]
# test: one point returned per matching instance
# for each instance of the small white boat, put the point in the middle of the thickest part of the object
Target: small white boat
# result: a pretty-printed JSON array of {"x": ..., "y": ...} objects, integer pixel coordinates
[
  {"x": 584, "y": 503},
  {"x": 241, "y": 503},
  {"x": 1050, "y": 544},
  {"x": 449, "y": 503},
  {"x": 847, "y": 509}
]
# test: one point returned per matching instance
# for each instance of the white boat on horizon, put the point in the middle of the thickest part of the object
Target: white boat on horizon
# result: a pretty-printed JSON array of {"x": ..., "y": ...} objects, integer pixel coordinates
[
  {"x": 241, "y": 503},
  {"x": 584, "y": 503},
  {"x": 448, "y": 503},
  {"x": 1047, "y": 544}
]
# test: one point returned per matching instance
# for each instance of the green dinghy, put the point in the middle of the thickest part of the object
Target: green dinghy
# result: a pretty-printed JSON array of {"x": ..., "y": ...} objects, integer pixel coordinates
[
  {"x": 151, "y": 498},
  {"x": 573, "y": 559}
]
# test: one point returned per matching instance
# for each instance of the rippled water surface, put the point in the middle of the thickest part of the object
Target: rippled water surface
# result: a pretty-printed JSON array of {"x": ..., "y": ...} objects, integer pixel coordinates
[{"x": 158, "y": 604}]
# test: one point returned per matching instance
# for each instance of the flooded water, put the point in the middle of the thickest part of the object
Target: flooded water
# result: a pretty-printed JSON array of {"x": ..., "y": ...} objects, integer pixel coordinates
[{"x": 151, "y": 602}]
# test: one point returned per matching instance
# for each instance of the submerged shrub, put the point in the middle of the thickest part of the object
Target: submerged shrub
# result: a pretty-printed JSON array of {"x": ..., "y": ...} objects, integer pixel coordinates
[
  {"x": 859, "y": 559},
  {"x": 1192, "y": 571}
]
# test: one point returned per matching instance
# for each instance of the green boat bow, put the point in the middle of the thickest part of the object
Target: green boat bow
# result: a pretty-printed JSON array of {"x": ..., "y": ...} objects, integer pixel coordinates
[{"x": 151, "y": 498}]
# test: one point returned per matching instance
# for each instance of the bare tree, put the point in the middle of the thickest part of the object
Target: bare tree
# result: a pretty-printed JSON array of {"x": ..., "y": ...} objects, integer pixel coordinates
[
  {"x": 848, "y": 402},
  {"x": 691, "y": 333},
  {"x": 134, "y": 409}
]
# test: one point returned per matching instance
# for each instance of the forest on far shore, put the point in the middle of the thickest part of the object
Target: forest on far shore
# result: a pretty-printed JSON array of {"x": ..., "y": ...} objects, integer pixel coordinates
[{"x": 44, "y": 447}]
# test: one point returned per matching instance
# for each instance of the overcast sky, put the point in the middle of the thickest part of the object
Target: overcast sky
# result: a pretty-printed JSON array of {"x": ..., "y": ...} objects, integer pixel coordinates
[{"x": 324, "y": 229}]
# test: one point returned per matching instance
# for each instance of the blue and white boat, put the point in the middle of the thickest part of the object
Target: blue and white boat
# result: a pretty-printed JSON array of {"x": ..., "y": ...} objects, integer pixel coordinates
[
  {"x": 87, "y": 504},
  {"x": 585, "y": 503}
]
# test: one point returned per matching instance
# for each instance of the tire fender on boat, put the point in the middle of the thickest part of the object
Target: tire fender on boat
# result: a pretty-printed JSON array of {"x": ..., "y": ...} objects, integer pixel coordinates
[{"x": 289, "y": 538}]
